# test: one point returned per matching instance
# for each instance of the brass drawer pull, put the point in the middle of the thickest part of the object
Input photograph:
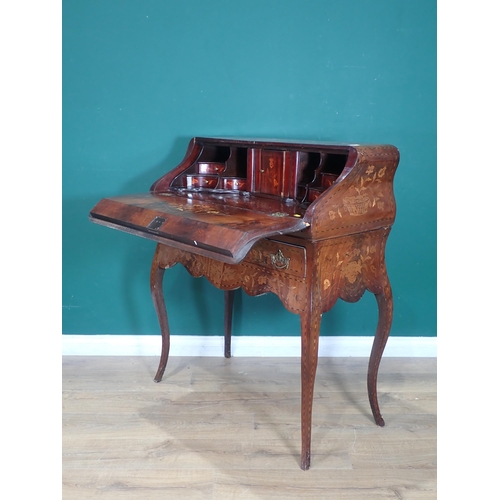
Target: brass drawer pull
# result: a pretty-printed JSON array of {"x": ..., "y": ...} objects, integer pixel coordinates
[{"x": 279, "y": 261}]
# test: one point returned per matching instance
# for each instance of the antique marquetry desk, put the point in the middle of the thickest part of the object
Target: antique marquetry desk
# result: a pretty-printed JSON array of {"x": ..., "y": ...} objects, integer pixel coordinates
[{"x": 306, "y": 221}]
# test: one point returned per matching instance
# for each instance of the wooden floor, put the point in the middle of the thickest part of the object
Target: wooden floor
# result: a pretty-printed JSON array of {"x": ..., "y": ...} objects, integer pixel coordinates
[{"x": 230, "y": 429}]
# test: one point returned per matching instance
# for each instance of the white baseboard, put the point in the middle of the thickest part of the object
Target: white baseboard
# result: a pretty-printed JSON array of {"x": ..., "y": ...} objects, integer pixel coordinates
[{"x": 191, "y": 345}]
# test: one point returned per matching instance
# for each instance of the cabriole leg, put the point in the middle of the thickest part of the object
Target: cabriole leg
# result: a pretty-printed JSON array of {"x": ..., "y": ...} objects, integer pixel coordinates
[
  {"x": 156, "y": 281},
  {"x": 385, "y": 310}
]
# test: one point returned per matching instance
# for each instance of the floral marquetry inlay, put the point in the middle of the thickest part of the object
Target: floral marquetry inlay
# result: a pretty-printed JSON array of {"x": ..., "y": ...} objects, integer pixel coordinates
[
  {"x": 363, "y": 201},
  {"x": 350, "y": 265},
  {"x": 362, "y": 196},
  {"x": 253, "y": 278},
  {"x": 351, "y": 270}
]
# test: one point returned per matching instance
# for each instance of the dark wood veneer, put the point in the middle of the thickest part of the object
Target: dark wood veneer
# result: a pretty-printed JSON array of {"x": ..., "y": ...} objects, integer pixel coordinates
[{"x": 307, "y": 221}]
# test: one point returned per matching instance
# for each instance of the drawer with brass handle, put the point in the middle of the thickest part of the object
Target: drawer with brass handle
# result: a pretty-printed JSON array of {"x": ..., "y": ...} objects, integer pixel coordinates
[{"x": 278, "y": 256}]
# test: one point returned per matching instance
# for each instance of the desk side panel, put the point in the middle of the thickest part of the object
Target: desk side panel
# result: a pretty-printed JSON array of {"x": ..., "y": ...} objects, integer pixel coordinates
[
  {"x": 362, "y": 201},
  {"x": 192, "y": 154}
]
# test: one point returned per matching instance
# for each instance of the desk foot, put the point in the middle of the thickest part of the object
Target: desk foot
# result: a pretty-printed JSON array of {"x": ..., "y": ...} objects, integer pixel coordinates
[
  {"x": 385, "y": 308},
  {"x": 306, "y": 462},
  {"x": 156, "y": 285}
]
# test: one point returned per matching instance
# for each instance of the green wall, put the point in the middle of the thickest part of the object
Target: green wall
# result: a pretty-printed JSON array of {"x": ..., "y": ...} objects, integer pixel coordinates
[{"x": 141, "y": 77}]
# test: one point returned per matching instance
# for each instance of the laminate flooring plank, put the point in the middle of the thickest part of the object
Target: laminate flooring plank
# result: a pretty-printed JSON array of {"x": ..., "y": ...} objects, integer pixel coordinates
[
  {"x": 224, "y": 429},
  {"x": 315, "y": 484},
  {"x": 137, "y": 484}
]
